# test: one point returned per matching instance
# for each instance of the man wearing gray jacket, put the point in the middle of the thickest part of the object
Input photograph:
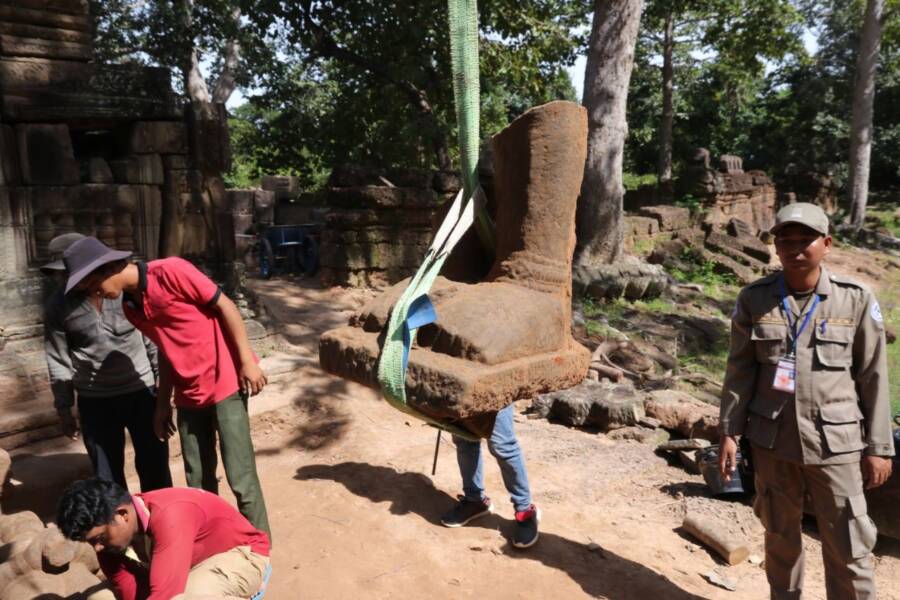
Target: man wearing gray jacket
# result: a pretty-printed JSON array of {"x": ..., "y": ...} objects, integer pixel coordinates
[{"x": 94, "y": 353}]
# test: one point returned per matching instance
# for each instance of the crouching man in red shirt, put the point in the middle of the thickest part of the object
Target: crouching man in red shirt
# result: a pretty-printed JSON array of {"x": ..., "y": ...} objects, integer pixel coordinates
[
  {"x": 160, "y": 544},
  {"x": 206, "y": 364}
]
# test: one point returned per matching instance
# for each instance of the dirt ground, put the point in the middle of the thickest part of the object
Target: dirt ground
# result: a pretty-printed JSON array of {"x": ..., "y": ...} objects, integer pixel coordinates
[{"x": 355, "y": 510}]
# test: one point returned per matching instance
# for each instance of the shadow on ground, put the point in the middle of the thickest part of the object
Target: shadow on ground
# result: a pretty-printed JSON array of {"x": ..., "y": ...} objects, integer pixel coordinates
[
  {"x": 599, "y": 573},
  {"x": 39, "y": 479}
]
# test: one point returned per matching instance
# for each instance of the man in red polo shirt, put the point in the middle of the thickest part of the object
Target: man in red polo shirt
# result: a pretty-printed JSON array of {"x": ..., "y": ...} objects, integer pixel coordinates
[
  {"x": 204, "y": 358},
  {"x": 156, "y": 545}
]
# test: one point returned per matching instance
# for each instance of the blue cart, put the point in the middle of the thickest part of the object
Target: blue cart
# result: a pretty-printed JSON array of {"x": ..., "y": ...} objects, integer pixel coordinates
[{"x": 291, "y": 248}]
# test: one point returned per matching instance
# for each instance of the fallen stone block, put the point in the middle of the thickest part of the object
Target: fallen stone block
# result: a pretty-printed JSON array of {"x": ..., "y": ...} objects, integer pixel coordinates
[
  {"x": 644, "y": 435},
  {"x": 749, "y": 245},
  {"x": 633, "y": 280},
  {"x": 728, "y": 266},
  {"x": 716, "y": 536},
  {"x": 590, "y": 403},
  {"x": 677, "y": 445},
  {"x": 669, "y": 218},
  {"x": 682, "y": 413}
]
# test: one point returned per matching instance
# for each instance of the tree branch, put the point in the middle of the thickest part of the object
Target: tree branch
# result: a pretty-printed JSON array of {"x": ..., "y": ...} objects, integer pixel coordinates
[{"x": 226, "y": 82}]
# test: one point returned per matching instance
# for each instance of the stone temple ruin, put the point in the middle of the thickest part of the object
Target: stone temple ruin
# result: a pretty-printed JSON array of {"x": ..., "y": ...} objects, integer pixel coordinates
[
  {"x": 104, "y": 150},
  {"x": 508, "y": 336}
]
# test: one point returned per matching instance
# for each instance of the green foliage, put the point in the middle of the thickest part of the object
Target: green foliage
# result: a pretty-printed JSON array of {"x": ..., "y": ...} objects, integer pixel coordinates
[
  {"x": 715, "y": 284},
  {"x": 385, "y": 66},
  {"x": 745, "y": 86},
  {"x": 690, "y": 202},
  {"x": 633, "y": 181}
]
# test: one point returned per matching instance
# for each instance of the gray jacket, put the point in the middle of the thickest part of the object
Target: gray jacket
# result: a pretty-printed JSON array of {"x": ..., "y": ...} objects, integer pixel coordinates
[{"x": 99, "y": 354}]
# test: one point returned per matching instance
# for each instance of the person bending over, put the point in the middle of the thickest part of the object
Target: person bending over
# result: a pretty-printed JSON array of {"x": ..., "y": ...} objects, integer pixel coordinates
[{"x": 161, "y": 544}]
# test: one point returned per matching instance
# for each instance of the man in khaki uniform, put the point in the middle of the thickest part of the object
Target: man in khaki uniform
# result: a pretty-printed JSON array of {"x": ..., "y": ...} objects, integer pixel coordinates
[{"x": 807, "y": 383}]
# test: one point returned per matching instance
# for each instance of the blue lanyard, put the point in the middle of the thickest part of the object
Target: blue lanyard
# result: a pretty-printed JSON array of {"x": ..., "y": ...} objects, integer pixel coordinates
[{"x": 787, "y": 315}]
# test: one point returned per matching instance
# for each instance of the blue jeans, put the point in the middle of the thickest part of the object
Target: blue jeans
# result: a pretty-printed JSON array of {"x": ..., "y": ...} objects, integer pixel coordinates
[{"x": 505, "y": 448}]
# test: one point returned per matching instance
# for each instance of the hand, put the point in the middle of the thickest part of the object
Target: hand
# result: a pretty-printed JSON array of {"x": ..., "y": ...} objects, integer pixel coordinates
[
  {"x": 163, "y": 426},
  {"x": 251, "y": 378},
  {"x": 69, "y": 425},
  {"x": 727, "y": 456},
  {"x": 876, "y": 470}
]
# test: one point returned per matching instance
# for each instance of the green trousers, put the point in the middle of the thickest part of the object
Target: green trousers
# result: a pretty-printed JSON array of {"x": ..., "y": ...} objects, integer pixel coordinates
[{"x": 198, "y": 428}]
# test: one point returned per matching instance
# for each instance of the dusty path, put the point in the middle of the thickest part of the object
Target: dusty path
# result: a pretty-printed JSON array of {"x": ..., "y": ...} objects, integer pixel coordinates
[{"x": 355, "y": 510}]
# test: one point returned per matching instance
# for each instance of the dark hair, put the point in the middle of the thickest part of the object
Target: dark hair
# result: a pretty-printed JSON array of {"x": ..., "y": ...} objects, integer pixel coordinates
[{"x": 87, "y": 504}]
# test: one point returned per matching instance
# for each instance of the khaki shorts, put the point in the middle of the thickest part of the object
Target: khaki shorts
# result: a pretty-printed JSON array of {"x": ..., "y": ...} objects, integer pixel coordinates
[{"x": 237, "y": 573}]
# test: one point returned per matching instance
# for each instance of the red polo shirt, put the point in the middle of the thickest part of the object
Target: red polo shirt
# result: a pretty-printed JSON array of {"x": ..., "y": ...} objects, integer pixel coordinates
[
  {"x": 185, "y": 526},
  {"x": 174, "y": 307}
]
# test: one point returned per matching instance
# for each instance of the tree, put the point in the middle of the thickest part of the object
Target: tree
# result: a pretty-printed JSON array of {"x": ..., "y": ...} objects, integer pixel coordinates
[
  {"x": 863, "y": 100},
  {"x": 610, "y": 58},
  {"x": 386, "y": 65},
  {"x": 737, "y": 35}
]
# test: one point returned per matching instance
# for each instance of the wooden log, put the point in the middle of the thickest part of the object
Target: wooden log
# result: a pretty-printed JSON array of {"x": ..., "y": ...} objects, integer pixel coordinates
[
  {"x": 717, "y": 538},
  {"x": 604, "y": 370}
]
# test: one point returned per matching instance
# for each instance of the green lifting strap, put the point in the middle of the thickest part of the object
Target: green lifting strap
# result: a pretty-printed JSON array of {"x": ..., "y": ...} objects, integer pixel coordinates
[
  {"x": 401, "y": 330},
  {"x": 463, "y": 16}
]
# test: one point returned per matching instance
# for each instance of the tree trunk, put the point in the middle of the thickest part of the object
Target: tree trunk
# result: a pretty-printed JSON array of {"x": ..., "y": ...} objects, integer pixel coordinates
[
  {"x": 194, "y": 84},
  {"x": 609, "y": 63},
  {"x": 226, "y": 82},
  {"x": 664, "y": 170},
  {"x": 863, "y": 99}
]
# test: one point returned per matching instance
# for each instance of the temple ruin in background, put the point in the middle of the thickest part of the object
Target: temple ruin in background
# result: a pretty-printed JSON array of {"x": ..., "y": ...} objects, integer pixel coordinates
[{"x": 104, "y": 150}]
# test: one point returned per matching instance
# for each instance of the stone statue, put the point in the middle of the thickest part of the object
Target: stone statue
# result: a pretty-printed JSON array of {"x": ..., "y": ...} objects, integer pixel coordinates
[{"x": 508, "y": 336}]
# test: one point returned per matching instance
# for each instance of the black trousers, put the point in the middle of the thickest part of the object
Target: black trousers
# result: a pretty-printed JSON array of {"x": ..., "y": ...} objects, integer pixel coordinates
[{"x": 103, "y": 425}]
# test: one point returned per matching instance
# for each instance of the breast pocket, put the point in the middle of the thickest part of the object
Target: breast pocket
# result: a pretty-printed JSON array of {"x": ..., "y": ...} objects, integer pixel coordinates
[
  {"x": 769, "y": 341},
  {"x": 834, "y": 344}
]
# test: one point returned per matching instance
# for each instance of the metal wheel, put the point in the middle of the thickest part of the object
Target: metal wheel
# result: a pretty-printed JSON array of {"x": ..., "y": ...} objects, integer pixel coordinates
[{"x": 266, "y": 258}]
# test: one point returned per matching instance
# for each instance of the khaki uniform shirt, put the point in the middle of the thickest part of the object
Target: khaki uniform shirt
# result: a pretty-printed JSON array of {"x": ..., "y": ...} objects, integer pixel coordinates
[{"x": 840, "y": 406}]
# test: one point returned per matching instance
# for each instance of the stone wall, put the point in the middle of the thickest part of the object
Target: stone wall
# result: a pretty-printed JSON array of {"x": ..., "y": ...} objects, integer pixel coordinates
[
  {"x": 104, "y": 150},
  {"x": 379, "y": 223}
]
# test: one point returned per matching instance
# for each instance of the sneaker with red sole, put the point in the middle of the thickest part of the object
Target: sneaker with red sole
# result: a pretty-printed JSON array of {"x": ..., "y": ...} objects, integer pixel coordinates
[{"x": 526, "y": 527}]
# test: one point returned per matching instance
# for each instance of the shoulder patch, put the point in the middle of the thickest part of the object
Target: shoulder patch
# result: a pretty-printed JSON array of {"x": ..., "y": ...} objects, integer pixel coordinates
[{"x": 875, "y": 313}]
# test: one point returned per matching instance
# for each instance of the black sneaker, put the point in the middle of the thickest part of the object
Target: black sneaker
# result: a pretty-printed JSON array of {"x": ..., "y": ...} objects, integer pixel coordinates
[
  {"x": 467, "y": 510},
  {"x": 526, "y": 527}
]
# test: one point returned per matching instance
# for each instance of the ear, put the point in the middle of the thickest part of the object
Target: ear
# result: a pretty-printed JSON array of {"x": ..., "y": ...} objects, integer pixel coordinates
[
  {"x": 122, "y": 514},
  {"x": 827, "y": 242}
]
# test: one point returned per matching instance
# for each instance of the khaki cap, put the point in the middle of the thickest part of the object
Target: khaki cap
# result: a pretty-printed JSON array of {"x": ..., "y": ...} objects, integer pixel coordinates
[{"x": 802, "y": 213}]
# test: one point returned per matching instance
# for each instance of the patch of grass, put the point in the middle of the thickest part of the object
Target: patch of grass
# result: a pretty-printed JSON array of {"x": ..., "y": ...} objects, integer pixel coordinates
[
  {"x": 633, "y": 181},
  {"x": 711, "y": 361},
  {"x": 887, "y": 217},
  {"x": 889, "y": 298}
]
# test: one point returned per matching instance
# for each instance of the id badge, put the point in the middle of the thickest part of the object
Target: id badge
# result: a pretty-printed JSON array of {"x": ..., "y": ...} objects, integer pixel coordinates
[{"x": 785, "y": 375}]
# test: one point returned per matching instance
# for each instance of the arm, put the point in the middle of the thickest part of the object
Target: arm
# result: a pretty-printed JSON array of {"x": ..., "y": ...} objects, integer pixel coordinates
[
  {"x": 163, "y": 426},
  {"x": 59, "y": 365},
  {"x": 152, "y": 355},
  {"x": 250, "y": 376},
  {"x": 124, "y": 582},
  {"x": 870, "y": 373},
  {"x": 174, "y": 533},
  {"x": 738, "y": 388}
]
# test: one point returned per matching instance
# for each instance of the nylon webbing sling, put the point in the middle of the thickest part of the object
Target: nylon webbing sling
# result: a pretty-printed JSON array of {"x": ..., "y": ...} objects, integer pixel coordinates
[{"x": 414, "y": 309}]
